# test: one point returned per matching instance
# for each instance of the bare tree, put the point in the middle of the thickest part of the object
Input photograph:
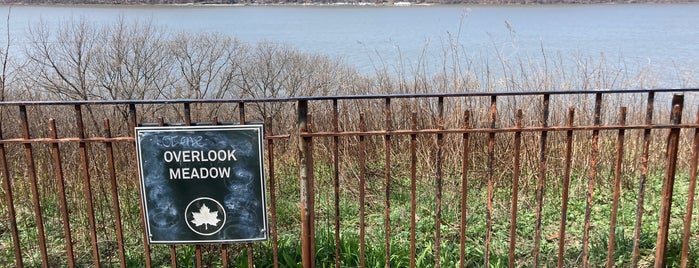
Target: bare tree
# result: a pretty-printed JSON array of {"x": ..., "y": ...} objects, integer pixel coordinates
[
  {"x": 273, "y": 71},
  {"x": 4, "y": 54},
  {"x": 62, "y": 63},
  {"x": 207, "y": 64},
  {"x": 131, "y": 61}
]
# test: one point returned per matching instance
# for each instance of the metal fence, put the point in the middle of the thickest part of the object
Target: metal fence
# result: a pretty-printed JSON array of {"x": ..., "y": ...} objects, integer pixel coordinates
[{"x": 466, "y": 179}]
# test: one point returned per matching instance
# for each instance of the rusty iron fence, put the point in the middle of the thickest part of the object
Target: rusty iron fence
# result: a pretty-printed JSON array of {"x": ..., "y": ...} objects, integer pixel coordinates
[{"x": 384, "y": 170}]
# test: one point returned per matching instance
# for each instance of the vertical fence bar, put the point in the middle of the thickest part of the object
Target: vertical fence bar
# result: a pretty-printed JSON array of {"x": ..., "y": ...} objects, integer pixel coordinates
[
  {"x": 31, "y": 169},
  {"x": 305, "y": 175},
  {"x": 642, "y": 180},
  {"x": 115, "y": 193},
  {"x": 197, "y": 248},
  {"x": 241, "y": 112},
  {"x": 133, "y": 123},
  {"x": 7, "y": 185},
  {"x": 224, "y": 247},
  {"x": 387, "y": 179},
  {"x": 336, "y": 181},
  {"x": 464, "y": 189},
  {"x": 311, "y": 193},
  {"x": 248, "y": 246},
  {"x": 617, "y": 186},
  {"x": 362, "y": 191},
  {"x": 491, "y": 174},
  {"x": 172, "y": 248},
  {"x": 187, "y": 108},
  {"x": 566, "y": 188},
  {"x": 84, "y": 158},
  {"x": 272, "y": 192},
  {"x": 673, "y": 141},
  {"x": 413, "y": 187},
  {"x": 515, "y": 188},
  {"x": 438, "y": 209},
  {"x": 591, "y": 180},
  {"x": 55, "y": 151},
  {"x": 132, "y": 119},
  {"x": 690, "y": 198},
  {"x": 542, "y": 178},
  {"x": 241, "y": 120}
]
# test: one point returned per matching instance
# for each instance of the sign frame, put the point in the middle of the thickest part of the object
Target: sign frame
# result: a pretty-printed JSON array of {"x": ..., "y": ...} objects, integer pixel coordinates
[{"x": 184, "y": 168}]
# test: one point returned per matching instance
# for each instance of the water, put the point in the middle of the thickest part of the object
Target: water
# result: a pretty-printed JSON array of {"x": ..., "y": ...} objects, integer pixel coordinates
[{"x": 663, "y": 37}]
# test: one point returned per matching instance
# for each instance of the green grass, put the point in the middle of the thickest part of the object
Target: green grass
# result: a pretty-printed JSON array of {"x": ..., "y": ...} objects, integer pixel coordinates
[{"x": 475, "y": 232}]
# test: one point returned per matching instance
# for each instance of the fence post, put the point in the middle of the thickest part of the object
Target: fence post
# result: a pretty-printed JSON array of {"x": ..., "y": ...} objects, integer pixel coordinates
[
  {"x": 673, "y": 139},
  {"x": 11, "y": 214},
  {"x": 306, "y": 186}
]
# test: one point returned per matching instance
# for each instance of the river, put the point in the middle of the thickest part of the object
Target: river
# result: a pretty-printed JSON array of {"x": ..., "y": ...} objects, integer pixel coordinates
[{"x": 663, "y": 37}]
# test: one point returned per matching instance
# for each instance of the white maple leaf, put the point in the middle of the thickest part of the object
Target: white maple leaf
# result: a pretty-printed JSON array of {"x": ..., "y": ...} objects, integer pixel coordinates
[{"x": 205, "y": 216}]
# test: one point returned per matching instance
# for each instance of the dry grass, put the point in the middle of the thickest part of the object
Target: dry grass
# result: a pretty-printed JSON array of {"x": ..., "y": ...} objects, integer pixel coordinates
[{"x": 133, "y": 61}]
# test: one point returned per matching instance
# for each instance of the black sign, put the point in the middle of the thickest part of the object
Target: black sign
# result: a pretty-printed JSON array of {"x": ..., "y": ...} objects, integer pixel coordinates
[{"x": 203, "y": 184}]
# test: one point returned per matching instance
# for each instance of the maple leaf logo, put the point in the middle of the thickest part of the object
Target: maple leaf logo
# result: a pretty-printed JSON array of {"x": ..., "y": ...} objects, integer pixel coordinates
[{"x": 206, "y": 217}]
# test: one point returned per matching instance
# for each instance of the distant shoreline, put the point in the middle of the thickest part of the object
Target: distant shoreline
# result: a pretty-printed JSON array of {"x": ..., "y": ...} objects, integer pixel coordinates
[{"x": 344, "y": 4}]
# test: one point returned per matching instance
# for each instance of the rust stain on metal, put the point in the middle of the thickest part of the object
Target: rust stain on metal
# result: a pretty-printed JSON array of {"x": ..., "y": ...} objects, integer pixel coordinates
[
  {"x": 491, "y": 173},
  {"x": 464, "y": 190},
  {"x": 439, "y": 182},
  {"x": 515, "y": 189},
  {"x": 31, "y": 170},
  {"x": 635, "y": 253},
  {"x": 591, "y": 182},
  {"x": 542, "y": 178},
  {"x": 684, "y": 255},
  {"x": 336, "y": 181},
  {"x": 362, "y": 193},
  {"x": 673, "y": 140},
  {"x": 566, "y": 188},
  {"x": 413, "y": 188},
  {"x": 115, "y": 194},
  {"x": 617, "y": 185}
]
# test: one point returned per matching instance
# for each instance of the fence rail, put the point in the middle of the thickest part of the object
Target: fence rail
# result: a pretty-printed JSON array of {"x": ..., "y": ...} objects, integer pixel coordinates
[{"x": 459, "y": 179}]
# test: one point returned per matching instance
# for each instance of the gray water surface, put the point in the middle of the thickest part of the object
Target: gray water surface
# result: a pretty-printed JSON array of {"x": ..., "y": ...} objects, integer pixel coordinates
[{"x": 663, "y": 36}]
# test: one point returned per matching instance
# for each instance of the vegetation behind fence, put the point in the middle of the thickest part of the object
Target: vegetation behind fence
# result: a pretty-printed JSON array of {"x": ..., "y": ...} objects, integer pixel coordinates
[
  {"x": 413, "y": 177},
  {"x": 399, "y": 180}
]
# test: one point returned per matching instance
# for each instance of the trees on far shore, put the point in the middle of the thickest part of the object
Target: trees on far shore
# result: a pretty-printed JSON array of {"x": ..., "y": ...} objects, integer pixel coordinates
[{"x": 379, "y": 2}]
